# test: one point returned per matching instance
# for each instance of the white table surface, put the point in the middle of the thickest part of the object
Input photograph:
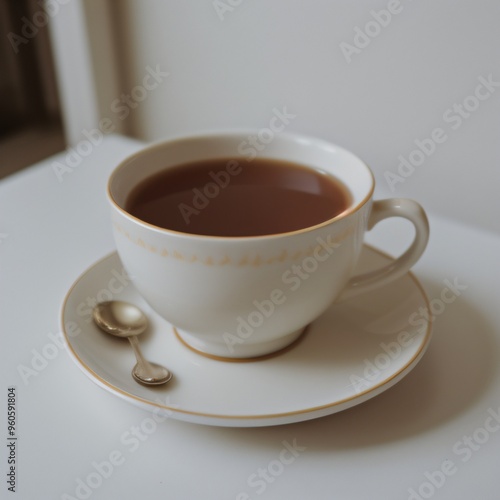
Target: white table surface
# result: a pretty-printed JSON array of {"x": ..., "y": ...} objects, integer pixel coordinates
[{"x": 51, "y": 231}]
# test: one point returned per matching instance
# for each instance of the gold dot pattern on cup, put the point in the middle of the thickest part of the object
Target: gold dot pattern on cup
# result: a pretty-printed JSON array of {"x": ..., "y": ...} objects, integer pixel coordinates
[{"x": 253, "y": 261}]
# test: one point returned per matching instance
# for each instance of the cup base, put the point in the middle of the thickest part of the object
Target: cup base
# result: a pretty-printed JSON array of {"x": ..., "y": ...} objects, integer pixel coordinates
[{"x": 250, "y": 352}]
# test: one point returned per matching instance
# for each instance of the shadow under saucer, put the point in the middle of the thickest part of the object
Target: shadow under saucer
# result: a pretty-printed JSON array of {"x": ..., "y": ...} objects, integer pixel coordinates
[{"x": 457, "y": 369}]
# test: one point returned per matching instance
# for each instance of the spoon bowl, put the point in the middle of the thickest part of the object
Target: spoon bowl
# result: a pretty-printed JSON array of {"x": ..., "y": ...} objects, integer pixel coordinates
[{"x": 126, "y": 320}]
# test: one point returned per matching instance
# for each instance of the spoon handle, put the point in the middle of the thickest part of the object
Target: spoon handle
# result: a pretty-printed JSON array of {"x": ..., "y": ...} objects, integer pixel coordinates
[{"x": 141, "y": 360}]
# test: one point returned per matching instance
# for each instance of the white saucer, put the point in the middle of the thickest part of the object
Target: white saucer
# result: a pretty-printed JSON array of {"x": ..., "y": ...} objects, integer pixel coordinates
[{"x": 355, "y": 351}]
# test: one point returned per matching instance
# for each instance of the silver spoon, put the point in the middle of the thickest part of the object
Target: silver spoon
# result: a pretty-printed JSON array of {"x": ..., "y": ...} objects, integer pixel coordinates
[{"x": 122, "y": 319}]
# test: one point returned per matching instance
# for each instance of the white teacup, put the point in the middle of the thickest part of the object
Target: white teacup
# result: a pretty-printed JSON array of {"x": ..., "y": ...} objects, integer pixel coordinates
[{"x": 239, "y": 297}]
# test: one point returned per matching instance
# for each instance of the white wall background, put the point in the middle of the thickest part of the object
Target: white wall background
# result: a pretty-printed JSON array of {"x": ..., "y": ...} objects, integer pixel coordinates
[{"x": 232, "y": 72}]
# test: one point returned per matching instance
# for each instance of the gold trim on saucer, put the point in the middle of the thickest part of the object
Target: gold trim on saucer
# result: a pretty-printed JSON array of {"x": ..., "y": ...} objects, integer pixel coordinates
[{"x": 175, "y": 409}]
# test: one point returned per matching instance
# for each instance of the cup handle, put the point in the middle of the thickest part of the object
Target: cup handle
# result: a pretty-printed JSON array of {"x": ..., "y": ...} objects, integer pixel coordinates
[{"x": 383, "y": 209}]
